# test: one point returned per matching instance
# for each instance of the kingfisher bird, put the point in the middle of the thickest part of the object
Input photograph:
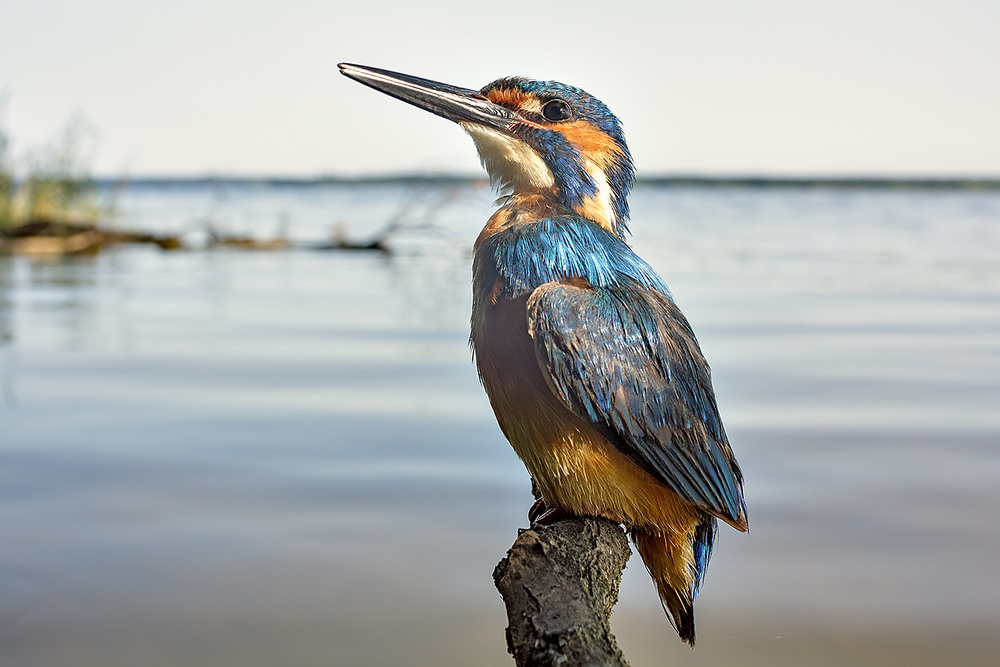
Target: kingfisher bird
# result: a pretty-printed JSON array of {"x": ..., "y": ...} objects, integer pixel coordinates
[{"x": 594, "y": 374}]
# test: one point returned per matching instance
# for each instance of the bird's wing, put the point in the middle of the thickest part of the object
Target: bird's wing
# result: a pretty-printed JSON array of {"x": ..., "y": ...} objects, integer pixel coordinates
[{"x": 626, "y": 359}]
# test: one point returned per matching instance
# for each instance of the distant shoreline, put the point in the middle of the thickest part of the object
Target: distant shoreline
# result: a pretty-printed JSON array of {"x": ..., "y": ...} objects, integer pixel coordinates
[{"x": 832, "y": 182}]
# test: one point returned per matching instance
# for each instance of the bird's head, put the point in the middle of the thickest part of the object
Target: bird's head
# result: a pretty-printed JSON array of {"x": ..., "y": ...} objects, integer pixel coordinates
[{"x": 532, "y": 136}]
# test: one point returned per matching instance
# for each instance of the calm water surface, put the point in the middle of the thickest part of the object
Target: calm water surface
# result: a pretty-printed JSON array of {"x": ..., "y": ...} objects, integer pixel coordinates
[{"x": 261, "y": 458}]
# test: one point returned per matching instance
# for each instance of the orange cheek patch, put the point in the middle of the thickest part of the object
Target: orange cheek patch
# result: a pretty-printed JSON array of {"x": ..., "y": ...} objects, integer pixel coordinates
[{"x": 590, "y": 141}]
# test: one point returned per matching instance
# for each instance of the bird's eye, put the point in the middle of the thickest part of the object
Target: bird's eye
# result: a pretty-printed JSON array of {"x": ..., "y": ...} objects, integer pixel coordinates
[{"x": 556, "y": 110}]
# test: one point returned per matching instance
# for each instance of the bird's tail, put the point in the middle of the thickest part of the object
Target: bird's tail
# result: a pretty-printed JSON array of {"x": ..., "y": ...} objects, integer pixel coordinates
[{"x": 677, "y": 564}]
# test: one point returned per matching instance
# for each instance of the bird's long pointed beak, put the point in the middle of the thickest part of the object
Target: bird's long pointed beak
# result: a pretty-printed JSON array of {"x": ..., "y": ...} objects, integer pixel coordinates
[{"x": 460, "y": 105}]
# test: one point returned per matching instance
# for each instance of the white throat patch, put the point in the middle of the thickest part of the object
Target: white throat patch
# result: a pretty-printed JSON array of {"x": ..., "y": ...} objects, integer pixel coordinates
[
  {"x": 510, "y": 162},
  {"x": 603, "y": 212}
]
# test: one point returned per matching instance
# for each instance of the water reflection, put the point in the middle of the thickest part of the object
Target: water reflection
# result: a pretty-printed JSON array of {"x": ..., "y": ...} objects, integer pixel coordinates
[
  {"x": 6, "y": 305},
  {"x": 285, "y": 458}
]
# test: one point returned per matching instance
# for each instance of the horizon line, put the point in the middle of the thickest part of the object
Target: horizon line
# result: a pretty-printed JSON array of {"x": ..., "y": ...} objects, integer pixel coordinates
[{"x": 931, "y": 181}]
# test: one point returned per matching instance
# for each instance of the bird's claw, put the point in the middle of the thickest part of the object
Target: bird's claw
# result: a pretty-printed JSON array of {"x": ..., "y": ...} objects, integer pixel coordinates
[
  {"x": 537, "y": 509},
  {"x": 541, "y": 514}
]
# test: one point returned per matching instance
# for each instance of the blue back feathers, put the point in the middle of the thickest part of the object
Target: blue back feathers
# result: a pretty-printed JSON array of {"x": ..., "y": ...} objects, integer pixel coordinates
[{"x": 624, "y": 357}]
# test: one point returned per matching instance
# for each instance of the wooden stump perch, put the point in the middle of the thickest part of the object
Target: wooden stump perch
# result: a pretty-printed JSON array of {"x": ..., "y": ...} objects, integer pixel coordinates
[{"x": 560, "y": 583}]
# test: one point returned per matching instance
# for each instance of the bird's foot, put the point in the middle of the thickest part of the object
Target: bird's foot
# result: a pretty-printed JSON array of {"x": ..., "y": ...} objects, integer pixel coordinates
[
  {"x": 537, "y": 509},
  {"x": 541, "y": 514}
]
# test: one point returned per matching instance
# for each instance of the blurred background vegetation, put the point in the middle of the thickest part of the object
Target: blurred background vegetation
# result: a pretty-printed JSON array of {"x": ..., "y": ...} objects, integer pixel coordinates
[{"x": 51, "y": 184}]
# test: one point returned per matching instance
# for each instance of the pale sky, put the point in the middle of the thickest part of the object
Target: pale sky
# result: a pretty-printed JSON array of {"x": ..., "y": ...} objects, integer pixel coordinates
[{"x": 714, "y": 87}]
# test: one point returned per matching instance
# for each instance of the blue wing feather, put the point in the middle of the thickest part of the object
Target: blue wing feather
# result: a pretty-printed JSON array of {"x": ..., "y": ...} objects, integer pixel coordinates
[
  {"x": 625, "y": 357},
  {"x": 702, "y": 544}
]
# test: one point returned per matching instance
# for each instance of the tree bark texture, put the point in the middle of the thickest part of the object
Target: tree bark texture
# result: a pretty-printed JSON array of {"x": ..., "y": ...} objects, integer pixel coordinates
[{"x": 560, "y": 583}]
